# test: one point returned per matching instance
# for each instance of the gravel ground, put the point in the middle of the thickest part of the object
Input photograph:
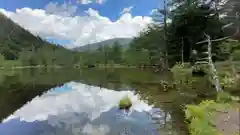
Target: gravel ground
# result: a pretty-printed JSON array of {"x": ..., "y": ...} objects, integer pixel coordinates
[{"x": 228, "y": 123}]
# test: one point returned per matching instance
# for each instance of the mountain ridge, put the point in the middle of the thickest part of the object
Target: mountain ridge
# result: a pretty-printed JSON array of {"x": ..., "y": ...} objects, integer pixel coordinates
[
  {"x": 123, "y": 42},
  {"x": 18, "y": 44}
]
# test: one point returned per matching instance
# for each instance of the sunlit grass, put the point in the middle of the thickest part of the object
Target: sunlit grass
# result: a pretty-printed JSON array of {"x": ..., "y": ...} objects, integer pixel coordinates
[
  {"x": 202, "y": 116},
  {"x": 10, "y": 63}
]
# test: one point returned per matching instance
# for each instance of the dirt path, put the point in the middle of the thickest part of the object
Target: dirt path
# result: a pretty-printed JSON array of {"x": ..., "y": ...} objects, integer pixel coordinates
[{"x": 228, "y": 122}]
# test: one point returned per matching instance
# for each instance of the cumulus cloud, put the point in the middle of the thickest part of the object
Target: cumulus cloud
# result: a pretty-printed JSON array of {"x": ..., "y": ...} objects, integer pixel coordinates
[
  {"x": 66, "y": 9},
  {"x": 153, "y": 11},
  {"x": 90, "y": 1},
  {"x": 127, "y": 10},
  {"x": 80, "y": 30}
]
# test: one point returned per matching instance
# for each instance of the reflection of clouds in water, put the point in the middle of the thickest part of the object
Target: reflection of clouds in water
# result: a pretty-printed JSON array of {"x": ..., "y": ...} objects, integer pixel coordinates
[{"x": 81, "y": 111}]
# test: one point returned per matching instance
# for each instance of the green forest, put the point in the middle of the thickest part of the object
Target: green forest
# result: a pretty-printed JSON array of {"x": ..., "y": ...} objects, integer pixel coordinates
[
  {"x": 185, "y": 37},
  {"x": 161, "y": 45},
  {"x": 21, "y": 48}
]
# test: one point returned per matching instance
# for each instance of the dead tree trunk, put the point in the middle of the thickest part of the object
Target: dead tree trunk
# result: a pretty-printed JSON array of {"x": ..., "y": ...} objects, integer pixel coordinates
[{"x": 212, "y": 67}]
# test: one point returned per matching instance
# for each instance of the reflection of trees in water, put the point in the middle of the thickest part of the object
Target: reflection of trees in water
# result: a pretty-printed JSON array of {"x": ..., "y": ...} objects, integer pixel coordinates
[
  {"x": 145, "y": 85},
  {"x": 172, "y": 101},
  {"x": 116, "y": 79},
  {"x": 14, "y": 98},
  {"x": 21, "y": 87},
  {"x": 101, "y": 78},
  {"x": 16, "y": 90},
  {"x": 169, "y": 103}
]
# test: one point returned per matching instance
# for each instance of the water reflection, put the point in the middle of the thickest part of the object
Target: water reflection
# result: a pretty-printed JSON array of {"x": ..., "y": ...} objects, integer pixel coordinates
[
  {"x": 17, "y": 87},
  {"x": 21, "y": 86},
  {"x": 81, "y": 111}
]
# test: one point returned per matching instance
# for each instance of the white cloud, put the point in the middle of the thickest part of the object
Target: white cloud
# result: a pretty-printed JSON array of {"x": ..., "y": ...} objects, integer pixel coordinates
[
  {"x": 66, "y": 9},
  {"x": 80, "y": 30},
  {"x": 127, "y": 10},
  {"x": 100, "y": 1},
  {"x": 153, "y": 11},
  {"x": 85, "y": 1},
  {"x": 90, "y": 1},
  {"x": 78, "y": 109}
]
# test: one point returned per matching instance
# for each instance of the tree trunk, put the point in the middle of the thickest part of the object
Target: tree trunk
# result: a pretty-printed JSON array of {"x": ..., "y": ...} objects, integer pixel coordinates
[
  {"x": 165, "y": 31},
  {"x": 182, "y": 50},
  {"x": 213, "y": 70}
]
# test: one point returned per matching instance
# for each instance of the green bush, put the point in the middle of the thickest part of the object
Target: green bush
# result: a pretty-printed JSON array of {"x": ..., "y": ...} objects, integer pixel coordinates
[
  {"x": 227, "y": 80},
  {"x": 202, "y": 116},
  {"x": 225, "y": 97},
  {"x": 200, "y": 68},
  {"x": 182, "y": 75},
  {"x": 181, "y": 71}
]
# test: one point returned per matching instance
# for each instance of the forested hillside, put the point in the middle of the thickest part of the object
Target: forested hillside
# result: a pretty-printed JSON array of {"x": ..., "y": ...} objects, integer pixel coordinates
[
  {"x": 123, "y": 42},
  {"x": 20, "y": 46},
  {"x": 164, "y": 43},
  {"x": 161, "y": 45}
]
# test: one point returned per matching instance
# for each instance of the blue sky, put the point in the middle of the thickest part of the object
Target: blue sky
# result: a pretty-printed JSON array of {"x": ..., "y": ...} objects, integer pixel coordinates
[
  {"x": 105, "y": 21},
  {"x": 110, "y": 8}
]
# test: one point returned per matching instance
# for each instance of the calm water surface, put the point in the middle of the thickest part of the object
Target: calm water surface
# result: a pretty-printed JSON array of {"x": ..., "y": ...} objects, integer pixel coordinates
[{"x": 83, "y": 102}]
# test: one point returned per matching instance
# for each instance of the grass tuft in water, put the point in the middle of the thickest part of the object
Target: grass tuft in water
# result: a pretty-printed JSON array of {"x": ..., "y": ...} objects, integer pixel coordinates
[{"x": 125, "y": 103}]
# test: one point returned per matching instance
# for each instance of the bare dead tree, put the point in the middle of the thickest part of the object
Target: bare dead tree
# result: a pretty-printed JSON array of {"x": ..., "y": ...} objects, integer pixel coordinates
[{"x": 212, "y": 68}]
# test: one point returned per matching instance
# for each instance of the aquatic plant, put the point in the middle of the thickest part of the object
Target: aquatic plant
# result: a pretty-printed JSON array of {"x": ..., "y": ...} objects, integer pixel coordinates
[{"x": 125, "y": 103}]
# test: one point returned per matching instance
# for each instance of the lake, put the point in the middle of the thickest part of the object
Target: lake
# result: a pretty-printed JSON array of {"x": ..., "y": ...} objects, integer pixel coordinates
[{"x": 83, "y": 102}]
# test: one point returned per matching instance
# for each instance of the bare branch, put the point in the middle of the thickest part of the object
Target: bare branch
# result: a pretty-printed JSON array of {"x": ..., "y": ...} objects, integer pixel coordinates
[
  {"x": 212, "y": 67},
  {"x": 214, "y": 40},
  {"x": 228, "y": 25}
]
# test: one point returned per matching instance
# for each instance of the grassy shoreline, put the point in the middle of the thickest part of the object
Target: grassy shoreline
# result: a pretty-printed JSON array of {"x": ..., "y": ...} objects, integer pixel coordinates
[
  {"x": 26, "y": 67},
  {"x": 208, "y": 117}
]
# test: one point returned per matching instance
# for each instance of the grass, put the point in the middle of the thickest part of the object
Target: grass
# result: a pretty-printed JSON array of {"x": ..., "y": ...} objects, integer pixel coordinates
[
  {"x": 10, "y": 63},
  {"x": 16, "y": 64},
  {"x": 202, "y": 116},
  {"x": 225, "y": 65}
]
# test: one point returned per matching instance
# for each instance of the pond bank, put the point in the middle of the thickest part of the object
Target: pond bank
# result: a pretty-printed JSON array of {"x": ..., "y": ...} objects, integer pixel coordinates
[
  {"x": 213, "y": 118},
  {"x": 228, "y": 121},
  {"x": 25, "y": 67}
]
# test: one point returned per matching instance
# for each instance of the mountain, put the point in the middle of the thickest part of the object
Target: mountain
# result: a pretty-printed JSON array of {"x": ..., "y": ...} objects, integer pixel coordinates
[
  {"x": 124, "y": 42},
  {"x": 16, "y": 43},
  {"x": 13, "y": 38}
]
